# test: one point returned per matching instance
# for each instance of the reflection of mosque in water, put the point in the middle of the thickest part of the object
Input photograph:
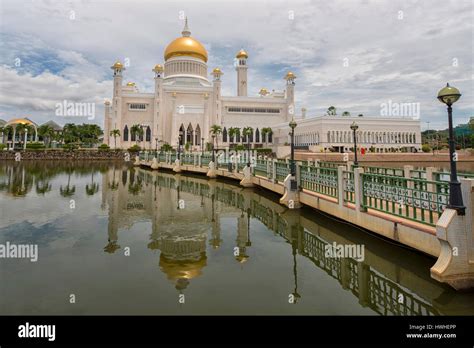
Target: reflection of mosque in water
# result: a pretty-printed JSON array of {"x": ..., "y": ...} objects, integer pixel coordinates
[
  {"x": 185, "y": 210},
  {"x": 180, "y": 222}
]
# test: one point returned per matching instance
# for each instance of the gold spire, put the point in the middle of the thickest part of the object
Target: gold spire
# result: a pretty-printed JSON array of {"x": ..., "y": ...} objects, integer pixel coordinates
[{"x": 242, "y": 54}]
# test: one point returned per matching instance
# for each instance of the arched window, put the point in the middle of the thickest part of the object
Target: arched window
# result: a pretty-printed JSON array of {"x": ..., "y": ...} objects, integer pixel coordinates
[
  {"x": 181, "y": 135},
  {"x": 148, "y": 134},
  {"x": 257, "y": 136},
  {"x": 251, "y": 137},
  {"x": 197, "y": 135},
  {"x": 125, "y": 133},
  {"x": 270, "y": 137},
  {"x": 224, "y": 135},
  {"x": 189, "y": 134}
]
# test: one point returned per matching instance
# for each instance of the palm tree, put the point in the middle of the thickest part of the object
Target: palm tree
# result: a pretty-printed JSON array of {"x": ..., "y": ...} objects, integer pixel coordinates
[
  {"x": 69, "y": 190},
  {"x": 137, "y": 132},
  {"x": 331, "y": 111},
  {"x": 46, "y": 132},
  {"x": 115, "y": 133},
  {"x": 22, "y": 129},
  {"x": 6, "y": 131},
  {"x": 265, "y": 132},
  {"x": 215, "y": 131},
  {"x": 346, "y": 113},
  {"x": 93, "y": 188},
  {"x": 233, "y": 133}
]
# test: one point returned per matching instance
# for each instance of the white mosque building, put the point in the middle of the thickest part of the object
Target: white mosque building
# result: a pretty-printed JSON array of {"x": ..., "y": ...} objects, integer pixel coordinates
[{"x": 186, "y": 104}]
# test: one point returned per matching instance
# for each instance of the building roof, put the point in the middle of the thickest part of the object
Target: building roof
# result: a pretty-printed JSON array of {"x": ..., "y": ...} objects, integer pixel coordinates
[{"x": 53, "y": 125}]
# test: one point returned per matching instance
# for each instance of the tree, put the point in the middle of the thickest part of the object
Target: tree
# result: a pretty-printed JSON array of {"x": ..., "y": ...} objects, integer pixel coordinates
[
  {"x": 346, "y": 113},
  {"x": 266, "y": 131},
  {"x": 46, "y": 132},
  {"x": 70, "y": 133},
  {"x": 247, "y": 131},
  {"x": 234, "y": 132},
  {"x": 215, "y": 131},
  {"x": 115, "y": 133},
  {"x": 137, "y": 132},
  {"x": 331, "y": 111},
  {"x": 361, "y": 115}
]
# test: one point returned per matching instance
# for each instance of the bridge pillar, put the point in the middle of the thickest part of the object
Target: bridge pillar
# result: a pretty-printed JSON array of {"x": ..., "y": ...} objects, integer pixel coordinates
[
  {"x": 177, "y": 166},
  {"x": 154, "y": 163},
  {"x": 274, "y": 169},
  {"x": 247, "y": 179},
  {"x": 291, "y": 197},
  {"x": 358, "y": 189},
  {"x": 455, "y": 264},
  {"x": 430, "y": 177},
  {"x": 340, "y": 185},
  {"x": 211, "y": 173}
]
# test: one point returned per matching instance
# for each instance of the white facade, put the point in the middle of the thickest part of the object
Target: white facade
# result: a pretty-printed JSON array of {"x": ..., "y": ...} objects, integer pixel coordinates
[{"x": 186, "y": 104}]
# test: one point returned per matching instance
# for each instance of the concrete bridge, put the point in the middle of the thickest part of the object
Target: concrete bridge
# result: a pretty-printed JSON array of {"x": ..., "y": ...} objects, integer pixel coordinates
[{"x": 404, "y": 205}]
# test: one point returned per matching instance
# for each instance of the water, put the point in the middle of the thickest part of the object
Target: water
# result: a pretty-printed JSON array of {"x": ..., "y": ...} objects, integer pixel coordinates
[{"x": 123, "y": 240}]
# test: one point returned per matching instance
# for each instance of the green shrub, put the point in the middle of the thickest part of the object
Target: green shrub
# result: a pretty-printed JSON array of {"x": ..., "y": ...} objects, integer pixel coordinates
[
  {"x": 426, "y": 148},
  {"x": 134, "y": 148},
  {"x": 70, "y": 147},
  {"x": 240, "y": 147},
  {"x": 264, "y": 151},
  {"x": 2, "y": 147},
  {"x": 35, "y": 145},
  {"x": 104, "y": 147}
]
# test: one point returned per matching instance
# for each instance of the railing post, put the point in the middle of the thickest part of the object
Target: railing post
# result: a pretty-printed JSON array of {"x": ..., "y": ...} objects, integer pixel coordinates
[
  {"x": 269, "y": 164},
  {"x": 298, "y": 176},
  {"x": 316, "y": 162},
  {"x": 340, "y": 185},
  {"x": 364, "y": 288},
  {"x": 407, "y": 174},
  {"x": 430, "y": 177},
  {"x": 200, "y": 160},
  {"x": 274, "y": 170},
  {"x": 358, "y": 189},
  {"x": 349, "y": 165}
]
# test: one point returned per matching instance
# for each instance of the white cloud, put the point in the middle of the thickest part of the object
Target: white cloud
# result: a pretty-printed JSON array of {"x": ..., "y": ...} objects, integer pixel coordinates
[{"x": 406, "y": 59}]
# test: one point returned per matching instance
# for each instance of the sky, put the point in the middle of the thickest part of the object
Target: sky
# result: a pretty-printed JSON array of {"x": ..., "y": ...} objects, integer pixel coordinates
[{"x": 356, "y": 55}]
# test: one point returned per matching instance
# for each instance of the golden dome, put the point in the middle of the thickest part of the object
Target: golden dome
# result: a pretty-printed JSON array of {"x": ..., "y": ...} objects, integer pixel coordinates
[
  {"x": 117, "y": 65},
  {"x": 217, "y": 71},
  {"x": 107, "y": 102},
  {"x": 290, "y": 75},
  {"x": 186, "y": 46},
  {"x": 131, "y": 84},
  {"x": 242, "y": 54},
  {"x": 182, "y": 269},
  {"x": 263, "y": 91},
  {"x": 158, "y": 68},
  {"x": 19, "y": 121}
]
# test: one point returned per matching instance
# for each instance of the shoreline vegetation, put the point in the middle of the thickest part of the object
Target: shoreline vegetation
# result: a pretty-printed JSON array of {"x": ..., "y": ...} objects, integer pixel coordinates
[{"x": 121, "y": 154}]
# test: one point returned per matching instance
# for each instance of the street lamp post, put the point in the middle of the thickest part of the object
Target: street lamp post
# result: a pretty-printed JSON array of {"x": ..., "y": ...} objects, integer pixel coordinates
[
  {"x": 354, "y": 128},
  {"x": 248, "y": 149},
  {"x": 449, "y": 95},
  {"x": 179, "y": 144},
  {"x": 156, "y": 145},
  {"x": 202, "y": 146},
  {"x": 292, "y": 154}
]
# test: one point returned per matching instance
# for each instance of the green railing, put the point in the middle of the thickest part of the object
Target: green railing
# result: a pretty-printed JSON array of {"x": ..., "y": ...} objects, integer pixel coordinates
[
  {"x": 348, "y": 186},
  {"x": 324, "y": 164},
  {"x": 415, "y": 199},
  {"x": 173, "y": 156},
  {"x": 161, "y": 157},
  {"x": 445, "y": 176},
  {"x": 187, "y": 158},
  {"x": 384, "y": 171},
  {"x": 260, "y": 167},
  {"x": 321, "y": 180},
  {"x": 417, "y": 174},
  {"x": 282, "y": 171},
  {"x": 205, "y": 160}
]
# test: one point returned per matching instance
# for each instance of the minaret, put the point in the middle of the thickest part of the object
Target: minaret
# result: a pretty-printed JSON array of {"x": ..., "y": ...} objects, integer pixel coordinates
[
  {"x": 117, "y": 99},
  {"x": 290, "y": 95},
  {"x": 216, "y": 87},
  {"x": 241, "y": 69},
  {"x": 158, "y": 119},
  {"x": 107, "y": 123}
]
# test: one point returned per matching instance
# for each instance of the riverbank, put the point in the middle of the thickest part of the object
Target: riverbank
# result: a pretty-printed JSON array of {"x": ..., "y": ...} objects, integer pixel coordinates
[{"x": 89, "y": 155}]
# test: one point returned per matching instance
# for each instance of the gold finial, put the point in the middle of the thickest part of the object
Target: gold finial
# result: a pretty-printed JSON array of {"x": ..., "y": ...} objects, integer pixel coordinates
[
  {"x": 158, "y": 68},
  {"x": 263, "y": 92},
  {"x": 290, "y": 75},
  {"x": 242, "y": 54}
]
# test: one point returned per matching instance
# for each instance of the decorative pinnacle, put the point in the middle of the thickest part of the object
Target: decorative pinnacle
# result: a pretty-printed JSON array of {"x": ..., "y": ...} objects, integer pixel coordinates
[{"x": 186, "y": 32}]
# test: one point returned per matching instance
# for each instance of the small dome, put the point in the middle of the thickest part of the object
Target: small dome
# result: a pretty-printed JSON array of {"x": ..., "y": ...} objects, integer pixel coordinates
[
  {"x": 263, "y": 91},
  {"x": 242, "y": 54},
  {"x": 217, "y": 71},
  {"x": 117, "y": 65},
  {"x": 158, "y": 68},
  {"x": 290, "y": 75},
  {"x": 131, "y": 84}
]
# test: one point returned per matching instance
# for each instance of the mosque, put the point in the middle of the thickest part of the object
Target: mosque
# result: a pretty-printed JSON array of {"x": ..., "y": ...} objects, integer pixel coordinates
[{"x": 186, "y": 104}]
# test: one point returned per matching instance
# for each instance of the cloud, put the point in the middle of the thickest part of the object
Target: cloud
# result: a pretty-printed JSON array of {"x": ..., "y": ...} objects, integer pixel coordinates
[{"x": 403, "y": 50}]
